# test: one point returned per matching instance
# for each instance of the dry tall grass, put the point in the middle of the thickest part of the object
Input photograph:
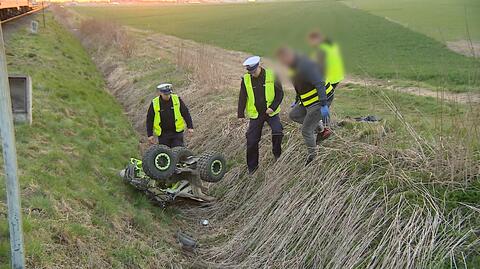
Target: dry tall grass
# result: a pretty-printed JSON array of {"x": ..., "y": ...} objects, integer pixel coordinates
[
  {"x": 100, "y": 35},
  {"x": 203, "y": 67},
  {"x": 357, "y": 206},
  {"x": 103, "y": 34}
]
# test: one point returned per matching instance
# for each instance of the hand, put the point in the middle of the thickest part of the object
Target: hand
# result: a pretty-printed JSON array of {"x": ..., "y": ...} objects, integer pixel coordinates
[
  {"x": 325, "y": 111},
  {"x": 151, "y": 139},
  {"x": 190, "y": 131},
  {"x": 242, "y": 121},
  {"x": 269, "y": 111}
]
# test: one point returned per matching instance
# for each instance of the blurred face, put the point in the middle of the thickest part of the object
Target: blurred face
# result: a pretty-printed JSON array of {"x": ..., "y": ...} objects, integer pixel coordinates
[
  {"x": 256, "y": 72},
  {"x": 286, "y": 57},
  {"x": 314, "y": 39},
  {"x": 164, "y": 96}
]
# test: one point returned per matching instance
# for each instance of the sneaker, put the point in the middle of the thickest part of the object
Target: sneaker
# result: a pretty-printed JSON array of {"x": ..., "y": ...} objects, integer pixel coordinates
[{"x": 324, "y": 135}]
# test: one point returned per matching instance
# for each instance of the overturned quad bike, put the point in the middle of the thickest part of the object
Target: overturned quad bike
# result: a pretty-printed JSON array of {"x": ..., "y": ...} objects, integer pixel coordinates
[{"x": 167, "y": 173}]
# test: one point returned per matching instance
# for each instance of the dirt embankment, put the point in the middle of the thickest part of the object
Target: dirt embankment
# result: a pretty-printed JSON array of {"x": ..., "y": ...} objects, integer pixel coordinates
[
  {"x": 465, "y": 47},
  {"x": 443, "y": 95}
]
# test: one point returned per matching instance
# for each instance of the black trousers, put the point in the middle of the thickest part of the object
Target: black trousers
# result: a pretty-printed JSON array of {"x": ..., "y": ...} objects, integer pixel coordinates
[
  {"x": 171, "y": 139},
  {"x": 254, "y": 134}
]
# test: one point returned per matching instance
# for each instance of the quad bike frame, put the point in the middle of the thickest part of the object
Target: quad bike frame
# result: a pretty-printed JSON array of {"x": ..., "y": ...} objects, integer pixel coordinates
[{"x": 167, "y": 173}]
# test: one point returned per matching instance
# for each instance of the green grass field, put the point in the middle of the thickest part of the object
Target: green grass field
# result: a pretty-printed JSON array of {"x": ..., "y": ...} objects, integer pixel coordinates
[
  {"x": 444, "y": 20},
  {"x": 373, "y": 46},
  {"x": 77, "y": 211}
]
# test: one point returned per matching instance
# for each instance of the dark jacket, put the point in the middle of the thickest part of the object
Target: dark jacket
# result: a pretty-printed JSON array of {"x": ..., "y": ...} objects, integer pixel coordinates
[
  {"x": 308, "y": 76},
  {"x": 167, "y": 116},
  {"x": 258, "y": 84}
]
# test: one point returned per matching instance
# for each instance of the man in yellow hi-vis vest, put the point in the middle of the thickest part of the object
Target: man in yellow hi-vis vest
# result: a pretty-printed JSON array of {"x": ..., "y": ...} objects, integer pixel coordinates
[
  {"x": 312, "y": 103},
  {"x": 167, "y": 118},
  {"x": 327, "y": 54},
  {"x": 260, "y": 97}
]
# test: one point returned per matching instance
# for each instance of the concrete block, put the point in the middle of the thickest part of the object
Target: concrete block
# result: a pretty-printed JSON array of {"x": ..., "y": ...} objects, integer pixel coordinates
[{"x": 21, "y": 94}]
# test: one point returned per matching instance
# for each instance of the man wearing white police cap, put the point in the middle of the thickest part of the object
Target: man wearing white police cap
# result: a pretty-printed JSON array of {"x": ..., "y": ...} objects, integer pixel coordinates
[
  {"x": 167, "y": 118},
  {"x": 260, "y": 97}
]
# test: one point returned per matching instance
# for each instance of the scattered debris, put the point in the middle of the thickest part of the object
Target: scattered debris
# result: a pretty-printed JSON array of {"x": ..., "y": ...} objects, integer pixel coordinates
[
  {"x": 369, "y": 118},
  {"x": 188, "y": 243}
]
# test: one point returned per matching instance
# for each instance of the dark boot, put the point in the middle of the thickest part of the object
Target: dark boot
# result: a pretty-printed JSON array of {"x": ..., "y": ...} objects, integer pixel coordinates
[
  {"x": 309, "y": 159},
  {"x": 252, "y": 171}
]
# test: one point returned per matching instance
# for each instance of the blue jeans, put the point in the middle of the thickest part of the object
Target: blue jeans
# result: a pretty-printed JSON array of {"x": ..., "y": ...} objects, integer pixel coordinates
[{"x": 254, "y": 135}]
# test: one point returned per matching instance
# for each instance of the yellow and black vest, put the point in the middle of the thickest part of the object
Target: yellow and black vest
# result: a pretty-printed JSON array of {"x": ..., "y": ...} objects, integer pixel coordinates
[
  {"x": 306, "y": 91},
  {"x": 157, "y": 121},
  {"x": 251, "y": 110}
]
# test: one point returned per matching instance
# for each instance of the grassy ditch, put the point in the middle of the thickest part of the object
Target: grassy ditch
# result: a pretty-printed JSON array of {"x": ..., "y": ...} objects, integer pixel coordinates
[
  {"x": 399, "y": 193},
  {"x": 77, "y": 212}
]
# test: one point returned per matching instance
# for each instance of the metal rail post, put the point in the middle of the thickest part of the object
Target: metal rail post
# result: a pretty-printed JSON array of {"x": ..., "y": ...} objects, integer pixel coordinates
[
  {"x": 10, "y": 160},
  {"x": 43, "y": 15}
]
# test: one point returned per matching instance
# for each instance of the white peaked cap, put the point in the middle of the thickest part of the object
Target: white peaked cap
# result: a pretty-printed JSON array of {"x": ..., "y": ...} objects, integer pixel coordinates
[
  {"x": 251, "y": 61},
  {"x": 164, "y": 86}
]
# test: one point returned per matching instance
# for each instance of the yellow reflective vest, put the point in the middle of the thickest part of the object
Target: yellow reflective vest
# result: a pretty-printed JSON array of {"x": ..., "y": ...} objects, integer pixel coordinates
[
  {"x": 179, "y": 121},
  {"x": 251, "y": 110},
  {"x": 334, "y": 69}
]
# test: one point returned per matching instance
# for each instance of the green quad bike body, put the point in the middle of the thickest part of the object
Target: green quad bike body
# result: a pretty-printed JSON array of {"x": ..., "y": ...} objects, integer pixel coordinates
[{"x": 167, "y": 173}]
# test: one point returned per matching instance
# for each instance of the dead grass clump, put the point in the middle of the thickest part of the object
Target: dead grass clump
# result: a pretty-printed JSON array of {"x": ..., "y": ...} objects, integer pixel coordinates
[
  {"x": 450, "y": 157},
  {"x": 358, "y": 206},
  {"x": 202, "y": 63},
  {"x": 103, "y": 34}
]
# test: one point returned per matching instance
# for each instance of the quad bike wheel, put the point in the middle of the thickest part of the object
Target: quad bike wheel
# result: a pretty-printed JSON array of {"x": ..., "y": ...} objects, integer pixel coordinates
[
  {"x": 159, "y": 162},
  {"x": 211, "y": 166},
  {"x": 182, "y": 153}
]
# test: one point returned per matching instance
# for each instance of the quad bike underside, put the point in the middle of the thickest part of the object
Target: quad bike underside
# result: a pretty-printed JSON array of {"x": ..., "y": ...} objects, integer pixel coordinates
[{"x": 165, "y": 174}]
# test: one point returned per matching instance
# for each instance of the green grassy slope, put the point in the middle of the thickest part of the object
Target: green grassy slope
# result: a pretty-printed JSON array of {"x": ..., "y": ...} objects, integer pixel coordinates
[
  {"x": 76, "y": 208},
  {"x": 373, "y": 46},
  {"x": 444, "y": 20}
]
